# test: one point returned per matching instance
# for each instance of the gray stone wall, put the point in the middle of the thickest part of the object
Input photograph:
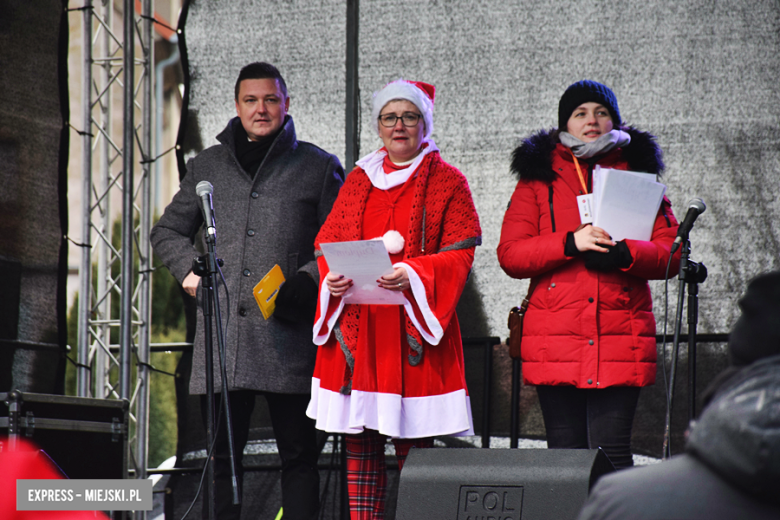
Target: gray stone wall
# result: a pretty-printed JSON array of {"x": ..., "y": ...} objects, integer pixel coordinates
[
  {"x": 305, "y": 40},
  {"x": 700, "y": 75}
]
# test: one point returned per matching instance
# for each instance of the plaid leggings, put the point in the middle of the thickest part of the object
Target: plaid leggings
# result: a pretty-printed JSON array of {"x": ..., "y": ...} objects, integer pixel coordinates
[{"x": 367, "y": 471}]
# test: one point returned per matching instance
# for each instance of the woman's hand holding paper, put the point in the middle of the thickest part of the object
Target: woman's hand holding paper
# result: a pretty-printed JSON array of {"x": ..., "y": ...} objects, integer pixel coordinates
[
  {"x": 337, "y": 284},
  {"x": 397, "y": 281},
  {"x": 589, "y": 238}
]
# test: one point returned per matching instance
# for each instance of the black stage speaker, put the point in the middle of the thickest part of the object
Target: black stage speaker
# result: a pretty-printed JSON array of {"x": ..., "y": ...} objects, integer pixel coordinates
[
  {"x": 482, "y": 484},
  {"x": 86, "y": 438}
]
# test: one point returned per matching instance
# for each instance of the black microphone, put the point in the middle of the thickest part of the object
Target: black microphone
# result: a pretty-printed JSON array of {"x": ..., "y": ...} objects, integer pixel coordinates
[
  {"x": 204, "y": 189},
  {"x": 695, "y": 208}
]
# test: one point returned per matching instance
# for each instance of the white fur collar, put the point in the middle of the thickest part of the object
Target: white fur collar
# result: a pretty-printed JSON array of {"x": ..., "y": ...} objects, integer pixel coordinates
[{"x": 372, "y": 165}]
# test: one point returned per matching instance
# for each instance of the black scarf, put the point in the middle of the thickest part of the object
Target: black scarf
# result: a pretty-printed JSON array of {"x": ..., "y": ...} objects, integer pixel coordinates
[{"x": 250, "y": 154}]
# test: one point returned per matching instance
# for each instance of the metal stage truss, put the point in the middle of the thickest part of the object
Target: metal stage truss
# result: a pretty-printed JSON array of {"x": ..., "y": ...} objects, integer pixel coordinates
[{"x": 117, "y": 65}]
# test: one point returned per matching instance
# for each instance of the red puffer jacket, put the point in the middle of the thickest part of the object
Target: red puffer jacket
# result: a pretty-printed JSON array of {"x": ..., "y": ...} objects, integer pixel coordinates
[{"x": 584, "y": 328}]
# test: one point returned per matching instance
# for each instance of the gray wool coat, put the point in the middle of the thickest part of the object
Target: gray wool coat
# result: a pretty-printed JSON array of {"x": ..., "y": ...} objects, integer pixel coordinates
[{"x": 270, "y": 220}]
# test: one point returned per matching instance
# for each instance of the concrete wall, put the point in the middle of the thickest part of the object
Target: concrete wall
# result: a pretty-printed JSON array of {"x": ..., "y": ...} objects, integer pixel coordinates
[{"x": 701, "y": 75}]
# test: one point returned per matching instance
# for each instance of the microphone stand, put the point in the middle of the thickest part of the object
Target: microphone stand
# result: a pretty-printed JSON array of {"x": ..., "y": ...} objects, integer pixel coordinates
[
  {"x": 692, "y": 274},
  {"x": 200, "y": 268},
  {"x": 206, "y": 267}
]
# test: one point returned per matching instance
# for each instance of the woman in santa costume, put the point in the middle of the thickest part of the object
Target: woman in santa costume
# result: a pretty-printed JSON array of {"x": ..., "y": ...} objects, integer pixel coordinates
[
  {"x": 390, "y": 370},
  {"x": 589, "y": 332}
]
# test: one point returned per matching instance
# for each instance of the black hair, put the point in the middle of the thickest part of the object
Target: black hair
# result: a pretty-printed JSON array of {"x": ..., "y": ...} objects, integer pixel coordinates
[{"x": 260, "y": 70}]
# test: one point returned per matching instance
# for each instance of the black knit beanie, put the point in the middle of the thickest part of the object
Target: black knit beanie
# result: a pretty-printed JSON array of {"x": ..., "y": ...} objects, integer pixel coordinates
[
  {"x": 586, "y": 91},
  {"x": 756, "y": 334}
]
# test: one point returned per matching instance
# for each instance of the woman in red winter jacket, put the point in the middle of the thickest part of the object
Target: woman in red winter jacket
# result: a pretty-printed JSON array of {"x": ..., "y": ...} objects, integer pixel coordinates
[{"x": 589, "y": 333}]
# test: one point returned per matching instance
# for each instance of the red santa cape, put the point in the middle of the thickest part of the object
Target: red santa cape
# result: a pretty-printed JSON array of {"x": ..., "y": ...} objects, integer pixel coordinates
[{"x": 399, "y": 369}]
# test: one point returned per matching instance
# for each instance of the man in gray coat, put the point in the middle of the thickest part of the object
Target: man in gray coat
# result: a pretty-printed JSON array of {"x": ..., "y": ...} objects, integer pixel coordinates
[{"x": 271, "y": 195}]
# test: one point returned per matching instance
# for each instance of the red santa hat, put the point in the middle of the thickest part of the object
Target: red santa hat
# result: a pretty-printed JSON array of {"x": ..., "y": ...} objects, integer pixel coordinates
[{"x": 416, "y": 92}]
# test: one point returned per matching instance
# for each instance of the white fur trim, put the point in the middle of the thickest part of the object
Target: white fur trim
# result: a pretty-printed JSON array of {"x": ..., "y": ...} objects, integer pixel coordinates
[
  {"x": 401, "y": 89},
  {"x": 394, "y": 242},
  {"x": 324, "y": 302},
  {"x": 390, "y": 414},
  {"x": 418, "y": 290},
  {"x": 372, "y": 164}
]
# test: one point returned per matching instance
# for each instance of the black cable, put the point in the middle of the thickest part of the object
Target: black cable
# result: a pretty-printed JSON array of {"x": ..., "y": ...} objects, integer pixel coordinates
[
  {"x": 227, "y": 293},
  {"x": 149, "y": 161},
  {"x": 222, "y": 349},
  {"x": 220, "y": 411},
  {"x": 144, "y": 159},
  {"x": 151, "y": 367},
  {"x": 206, "y": 464},
  {"x": 213, "y": 444},
  {"x": 80, "y": 132},
  {"x": 663, "y": 343},
  {"x": 666, "y": 323},
  {"x": 185, "y": 102},
  {"x": 667, "y": 450},
  {"x": 158, "y": 22},
  {"x": 224, "y": 392},
  {"x": 79, "y": 365},
  {"x": 140, "y": 363},
  {"x": 76, "y": 243}
]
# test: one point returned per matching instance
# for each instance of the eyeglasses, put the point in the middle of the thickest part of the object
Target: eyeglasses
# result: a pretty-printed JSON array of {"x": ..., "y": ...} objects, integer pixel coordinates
[{"x": 408, "y": 119}]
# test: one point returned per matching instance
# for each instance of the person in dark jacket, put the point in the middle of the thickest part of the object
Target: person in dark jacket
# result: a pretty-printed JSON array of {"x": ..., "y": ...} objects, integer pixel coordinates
[
  {"x": 731, "y": 465},
  {"x": 589, "y": 334},
  {"x": 271, "y": 195}
]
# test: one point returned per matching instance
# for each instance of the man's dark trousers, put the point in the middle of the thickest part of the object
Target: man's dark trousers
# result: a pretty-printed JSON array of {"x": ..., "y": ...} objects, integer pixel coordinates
[{"x": 296, "y": 440}]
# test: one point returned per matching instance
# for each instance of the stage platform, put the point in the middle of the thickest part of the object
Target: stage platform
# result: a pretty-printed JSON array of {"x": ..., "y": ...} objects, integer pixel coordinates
[{"x": 262, "y": 498}]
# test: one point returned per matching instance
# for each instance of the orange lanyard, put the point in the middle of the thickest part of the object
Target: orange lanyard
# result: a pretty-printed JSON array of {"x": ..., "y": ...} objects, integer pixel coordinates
[{"x": 579, "y": 172}]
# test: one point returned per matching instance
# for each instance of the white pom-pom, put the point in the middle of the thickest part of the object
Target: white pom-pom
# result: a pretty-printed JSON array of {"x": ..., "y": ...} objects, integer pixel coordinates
[{"x": 394, "y": 242}]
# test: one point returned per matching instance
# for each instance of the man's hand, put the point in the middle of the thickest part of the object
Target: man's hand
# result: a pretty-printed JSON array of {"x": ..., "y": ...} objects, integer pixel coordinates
[{"x": 190, "y": 284}]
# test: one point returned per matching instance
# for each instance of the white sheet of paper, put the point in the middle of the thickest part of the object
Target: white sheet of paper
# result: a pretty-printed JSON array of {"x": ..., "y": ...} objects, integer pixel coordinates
[
  {"x": 626, "y": 203},
  {"x": 599, "y": 178},
  {"x": 364, "y": 262}
]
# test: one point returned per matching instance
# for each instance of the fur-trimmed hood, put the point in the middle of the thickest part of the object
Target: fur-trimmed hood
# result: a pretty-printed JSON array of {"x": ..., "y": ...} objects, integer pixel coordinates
[
  {"x": 738, "y": 433},
  {"x": 532, "y": 160}
]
